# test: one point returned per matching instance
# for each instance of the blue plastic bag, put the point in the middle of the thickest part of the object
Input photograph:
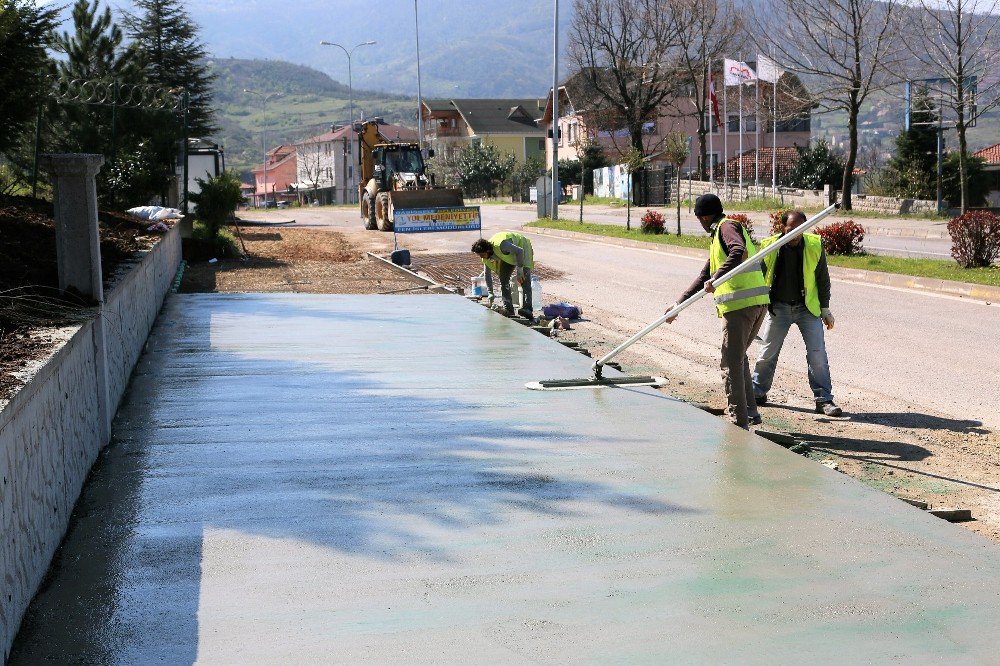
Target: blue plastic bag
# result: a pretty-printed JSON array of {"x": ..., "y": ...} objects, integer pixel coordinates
[{"x": 566, "y": 310}]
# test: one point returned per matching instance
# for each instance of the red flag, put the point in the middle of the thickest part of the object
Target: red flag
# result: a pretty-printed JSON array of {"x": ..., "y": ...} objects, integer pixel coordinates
[{"x": 715, "y": 102}]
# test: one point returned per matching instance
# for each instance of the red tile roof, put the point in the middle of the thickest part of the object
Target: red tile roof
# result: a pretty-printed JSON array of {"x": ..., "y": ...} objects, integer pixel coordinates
[{"x": 990, "y": 154}]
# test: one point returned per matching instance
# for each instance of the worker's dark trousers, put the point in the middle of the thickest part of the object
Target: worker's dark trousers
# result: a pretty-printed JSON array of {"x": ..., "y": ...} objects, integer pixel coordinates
[
  {"x": 505, "y": 275},
  {"x": 740, "y": 329}
]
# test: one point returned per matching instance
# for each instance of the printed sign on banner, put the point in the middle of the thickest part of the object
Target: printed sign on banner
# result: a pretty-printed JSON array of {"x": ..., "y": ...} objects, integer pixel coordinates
[{"x": 416, "y": 220}]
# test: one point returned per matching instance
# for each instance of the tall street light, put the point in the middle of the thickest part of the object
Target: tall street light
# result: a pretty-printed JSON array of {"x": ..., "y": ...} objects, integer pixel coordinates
[
  {"x": 420, "y": 98},
  {"x": 350, "y": 84},
  {"x": 264, "y": 96}
]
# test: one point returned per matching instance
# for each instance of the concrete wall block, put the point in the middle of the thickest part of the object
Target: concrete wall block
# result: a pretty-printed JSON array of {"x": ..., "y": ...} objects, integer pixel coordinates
[{"x": 51, "y": 432}]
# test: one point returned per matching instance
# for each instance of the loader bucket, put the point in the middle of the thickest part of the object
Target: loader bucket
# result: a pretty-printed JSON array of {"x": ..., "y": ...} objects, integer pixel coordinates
[{"x": 404, "y": 199}]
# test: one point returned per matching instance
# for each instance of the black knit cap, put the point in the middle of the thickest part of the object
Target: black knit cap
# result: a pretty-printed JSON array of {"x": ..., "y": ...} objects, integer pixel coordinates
[{"x": 707, "y": 204}]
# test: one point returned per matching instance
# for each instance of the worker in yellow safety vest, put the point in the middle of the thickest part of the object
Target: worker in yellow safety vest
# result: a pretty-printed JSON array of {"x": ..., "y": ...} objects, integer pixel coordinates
[
  {"x": 510, "y": 256},
  {"x": 799, "y": 280},
  {"x": 740, "y": 301}
]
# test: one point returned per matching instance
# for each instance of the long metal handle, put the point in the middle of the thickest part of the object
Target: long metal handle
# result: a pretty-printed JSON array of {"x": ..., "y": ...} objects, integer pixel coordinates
[{"x": 751, "y": 262}]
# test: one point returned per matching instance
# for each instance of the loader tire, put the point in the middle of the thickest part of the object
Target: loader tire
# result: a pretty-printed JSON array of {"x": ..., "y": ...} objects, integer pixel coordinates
[
  {"x": 382, "y": 212},
  {"x": 368, "y": 212}
]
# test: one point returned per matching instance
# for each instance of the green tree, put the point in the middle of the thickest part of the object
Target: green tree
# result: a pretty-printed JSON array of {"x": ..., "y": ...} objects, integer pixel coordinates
[
  {"x": 592, "y": 157},
  {"x": 94, "y": 52},
  {"x": 482, "y": 167},
  {"x": 817, "y": 165},
  {"x": 174, "y": 57},
  {"x": 570, "y": 171},
  {"x": 25, "y": 30},
  {"x": 978, "y": 182},
  {"x": 524, "y": 176},
  {"x": 677, "y": 151},
  {"x": 911, "y": 173},
  {"x": 217, "y": 201}
]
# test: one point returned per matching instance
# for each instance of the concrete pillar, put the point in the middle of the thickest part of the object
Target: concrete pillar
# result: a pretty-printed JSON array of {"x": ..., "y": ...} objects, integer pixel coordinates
[
  {"x": 78, "y": 253},
  {"x": 78, "y": 243}
]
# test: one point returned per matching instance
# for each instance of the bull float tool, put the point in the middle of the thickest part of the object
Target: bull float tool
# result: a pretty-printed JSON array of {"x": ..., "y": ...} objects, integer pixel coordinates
[{"x": 598, "y": 380}]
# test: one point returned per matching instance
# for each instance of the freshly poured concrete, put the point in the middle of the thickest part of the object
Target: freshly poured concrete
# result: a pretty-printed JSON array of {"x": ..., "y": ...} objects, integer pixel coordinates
[{"x": 324, "y": 479}]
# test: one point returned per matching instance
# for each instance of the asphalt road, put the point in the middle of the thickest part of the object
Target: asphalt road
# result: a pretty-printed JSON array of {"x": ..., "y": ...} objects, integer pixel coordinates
[{"x": 925, "y": 349}]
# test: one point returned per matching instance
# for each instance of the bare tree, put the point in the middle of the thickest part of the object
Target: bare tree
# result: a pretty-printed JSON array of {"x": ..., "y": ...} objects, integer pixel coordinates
[
  {"x": 622, "y": 51},
  {"x": 677, "y": 151},
  {"x": 307, "y": 158},
  {"x": 956, "y": 44},
  {"x": 706, "y": 30},
  {"x": 846, "y": 50}
]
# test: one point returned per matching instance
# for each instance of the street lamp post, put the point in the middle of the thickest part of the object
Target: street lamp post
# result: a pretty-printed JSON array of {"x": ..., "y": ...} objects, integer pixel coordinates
[
  {"x": 555, "y": 111},
  {"x": 350, "y": 85},
  {"x": 264, "y": 97},
  {"x": 420, "y": 98}
]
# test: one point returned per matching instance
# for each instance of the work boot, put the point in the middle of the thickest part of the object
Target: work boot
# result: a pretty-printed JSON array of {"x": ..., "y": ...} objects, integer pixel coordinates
[
  {"x": 829, "y": 409},
  {"x": 527, "y": 314},
  {"x": 754, "y": 419},
  {"x": 760, "y": 399}
]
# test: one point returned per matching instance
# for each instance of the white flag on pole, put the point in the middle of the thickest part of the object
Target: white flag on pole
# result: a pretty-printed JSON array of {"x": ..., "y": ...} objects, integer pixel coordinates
[
  {"x": 737, "y": 71},
  {"x": 768, "y": 70}
]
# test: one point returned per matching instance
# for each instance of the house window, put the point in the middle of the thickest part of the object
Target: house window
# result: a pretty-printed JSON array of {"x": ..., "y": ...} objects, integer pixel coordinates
[
  {"x": 329, "y": 173},
  {"x": 349, "y": 146},
  {"x": 350, "y": 173},
  {"x": 749, "y": 123},
  {"x": 541, "y": 144}
]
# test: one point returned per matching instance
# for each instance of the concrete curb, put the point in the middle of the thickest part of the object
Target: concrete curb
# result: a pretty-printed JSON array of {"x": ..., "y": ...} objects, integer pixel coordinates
[{"x": 977, "y": 292}]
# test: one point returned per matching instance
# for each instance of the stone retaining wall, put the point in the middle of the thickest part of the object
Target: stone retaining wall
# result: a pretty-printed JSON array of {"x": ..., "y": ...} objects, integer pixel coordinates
[
  {"x": 792, "y": 197},
  {"x": 50, "y": 431}
]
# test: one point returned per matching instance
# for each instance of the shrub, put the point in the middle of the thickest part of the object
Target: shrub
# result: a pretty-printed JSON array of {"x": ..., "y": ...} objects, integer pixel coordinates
[
  {"x": 744, "y": 220},
  {"x": 776, "y": 226},
  {"x": 217, "y": 201},
  {"x": 842, "y": 238},
  {"x": 652, "y": 222},
  {"x": 975, "y": 239}
]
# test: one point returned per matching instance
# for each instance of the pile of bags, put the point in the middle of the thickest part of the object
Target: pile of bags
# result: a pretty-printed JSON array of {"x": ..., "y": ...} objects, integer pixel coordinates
[{"x": 155, "y": 213}]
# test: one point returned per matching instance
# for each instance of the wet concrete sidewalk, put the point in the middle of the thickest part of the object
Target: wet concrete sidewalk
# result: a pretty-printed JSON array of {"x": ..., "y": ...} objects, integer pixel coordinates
[{"x": 344, "y": 479}]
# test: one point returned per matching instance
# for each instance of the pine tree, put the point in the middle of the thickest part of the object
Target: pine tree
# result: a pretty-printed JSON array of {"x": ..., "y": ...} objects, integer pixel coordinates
[
  {"x": 24, "y": 32},
  {"x": 94, "y": 54},
  {"x": 174, "y": 57},
  {"x": 912, "y": 170}
]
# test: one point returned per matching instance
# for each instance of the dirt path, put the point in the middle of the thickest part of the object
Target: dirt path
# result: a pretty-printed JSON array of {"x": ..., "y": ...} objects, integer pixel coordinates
[{"x": 899, "y": 448}]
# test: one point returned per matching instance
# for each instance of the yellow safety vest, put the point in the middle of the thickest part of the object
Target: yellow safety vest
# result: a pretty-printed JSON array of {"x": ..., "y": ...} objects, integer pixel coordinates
[
  {"x": 493, "y": 263},
  {"x": 812, "y": 250},
  {"x": 743, "y": 290}
]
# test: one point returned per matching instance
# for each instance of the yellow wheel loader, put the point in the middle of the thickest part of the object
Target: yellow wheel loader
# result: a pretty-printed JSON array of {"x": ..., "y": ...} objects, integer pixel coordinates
[{"x": 393, "y": 177}]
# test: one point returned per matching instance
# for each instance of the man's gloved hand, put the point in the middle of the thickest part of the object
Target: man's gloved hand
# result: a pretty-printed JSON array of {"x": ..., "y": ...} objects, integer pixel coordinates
[
  {"x": 522, "y": 274},
  {"x": 827, "y": 317}
]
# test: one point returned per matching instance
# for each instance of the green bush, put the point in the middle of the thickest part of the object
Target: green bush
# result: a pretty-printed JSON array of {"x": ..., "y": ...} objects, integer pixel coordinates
[{"x": 217, "y": 201}]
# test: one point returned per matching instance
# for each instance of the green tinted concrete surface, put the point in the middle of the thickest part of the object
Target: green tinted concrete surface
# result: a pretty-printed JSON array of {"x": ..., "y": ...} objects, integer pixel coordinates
[{"x": 345, "y": 479}]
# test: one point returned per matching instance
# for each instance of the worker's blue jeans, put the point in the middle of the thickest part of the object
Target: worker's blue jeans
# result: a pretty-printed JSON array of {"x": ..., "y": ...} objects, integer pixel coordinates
[{"x": 779, "y": 320}]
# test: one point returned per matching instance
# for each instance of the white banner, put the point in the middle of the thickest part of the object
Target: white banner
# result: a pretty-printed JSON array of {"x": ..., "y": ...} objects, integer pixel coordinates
[
  {"x": 768, "y": 70},
  {"x": 465, "y": 218},
  {"x": 737, "y": 71}
]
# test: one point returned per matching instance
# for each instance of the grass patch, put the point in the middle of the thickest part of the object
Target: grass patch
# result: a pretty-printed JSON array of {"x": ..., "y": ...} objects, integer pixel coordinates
[
  {"x": 225, "y": 243},
  {"x": 684, "y": 240},
  {"x": 929, "y": 268}
]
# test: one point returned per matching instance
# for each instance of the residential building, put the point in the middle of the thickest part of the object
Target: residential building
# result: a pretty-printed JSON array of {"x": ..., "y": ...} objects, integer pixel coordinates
[
  {"x": 327, "y": 164},
  {"x": 582, "y": 116},
  {"x": 280, "y": 176},
  {"x": 991, "y": 155},
  {"x": 509, "y": 124}
]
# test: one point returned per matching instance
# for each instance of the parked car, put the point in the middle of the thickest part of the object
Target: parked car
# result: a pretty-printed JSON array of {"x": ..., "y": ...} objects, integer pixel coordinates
[
  {"x": 270, "y": 204},
  {"x": 283, "y": 204}
]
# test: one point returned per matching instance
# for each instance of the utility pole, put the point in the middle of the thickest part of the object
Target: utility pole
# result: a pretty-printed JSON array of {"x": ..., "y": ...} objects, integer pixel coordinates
[
  {"x": 265, "y": 97},
  {"x": 555, "y": 111}
]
